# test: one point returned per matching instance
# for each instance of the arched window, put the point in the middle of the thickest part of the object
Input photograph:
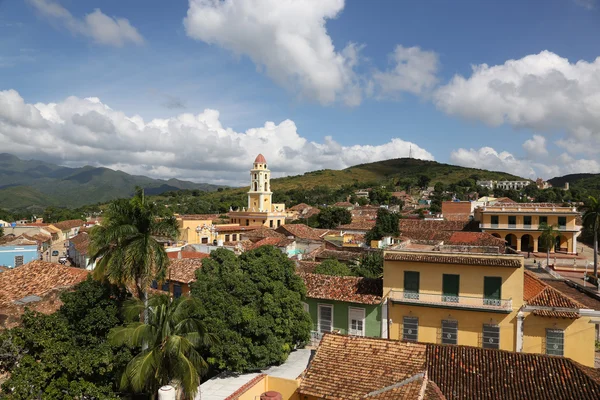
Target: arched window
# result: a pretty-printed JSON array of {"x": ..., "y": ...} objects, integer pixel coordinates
[
  {"x": 255, "y": 186},
  {"x": 266, "y": 190},
  {"x": 255, "y": 176}
]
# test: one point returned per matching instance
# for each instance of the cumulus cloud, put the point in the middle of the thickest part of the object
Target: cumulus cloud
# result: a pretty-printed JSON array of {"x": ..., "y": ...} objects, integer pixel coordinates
[
  {"x": 187, "y": 146},
  {"x": 536, "y": 146},
  {"x": 589, "y": 4},
  {"x": 414, "y": 71},
  {"x": 548, "y": 167},
  {"x": 95, "y": 25},
  {"x": 287, "y": 38},
  {"x": 543, "y": 92}
]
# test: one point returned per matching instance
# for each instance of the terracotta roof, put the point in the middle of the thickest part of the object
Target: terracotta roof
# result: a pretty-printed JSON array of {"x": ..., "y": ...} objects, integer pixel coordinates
[
  {"x": 426, "y": 235},
  {"x": 183, "y": 269},
  {"x": 505, "y": 200},
  {"x": 299, "y": 231},
  {"x": 37, "y": 278},
  {"x": 235, "y": 228},
  {"x": 512, "y": 262},
  {"x": 260, "y": 159},
  {"x": 435, "y": 225},
  {"x": 347, "y": 367},
  {"x": 464, "y": 372},
  {"x": 359, "y": 225},
  {"x": 38, "y": 237},
  {"x": 343, "y": 204},
  {"x": 299, "y": 207},
  {"x": 538, "y": 293},
  {"x": 39, "y": 224},
  {"x": 584, "y": 296},
  {"x": 476, "y": 239},
  {"x": 69, "y": 224},
  {"x": 52, "y": 229},
  {"x": 306, "y": 266},
  {"x": 272, "y": 241},
  {"x": 245, "y": 387},
  {"x": 81, "y": 242},
  {"x": 17, "y": 241},
  {"x": 263, "y": 232},
  {"x": 187, "y": 254},
  {"x": 343, "y": 288},
  {"x": 340, "y": 255}
]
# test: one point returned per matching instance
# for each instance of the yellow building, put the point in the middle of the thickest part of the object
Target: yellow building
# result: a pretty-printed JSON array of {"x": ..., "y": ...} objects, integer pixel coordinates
[
  {"x": 518, "y": 224},
  {"x": 197, "y": 228},
  {"x": 261, "y": 210},
  {"x": 436, "y": 294}
]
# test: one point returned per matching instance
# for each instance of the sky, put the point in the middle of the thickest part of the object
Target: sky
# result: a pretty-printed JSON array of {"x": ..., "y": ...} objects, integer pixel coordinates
[{"x": 196, "y": 89}]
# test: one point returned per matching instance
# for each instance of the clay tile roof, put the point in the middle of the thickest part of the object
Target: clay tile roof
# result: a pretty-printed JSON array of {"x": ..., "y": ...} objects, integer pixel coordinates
[
  {"x": 343, "y": 288},
  {"x": 38, "y": 237},
  {"x": 343, "y": 204},
  {"x": 37, "y": 278},
  {"x": 582, "y": 295},
  {"x": 359, "y": 225},
  {"x": 187, "y": 254},
  {"x": 464, "y": 372},
  {"x": 81, "y": 242},
  {"x": 299, "y": 207},
  {"x": 69, "y": 224},
  {"x": 348, "y": 368},
  {"x": 475, "y": 239},
  {"x": 436, "y": 225},
  {"x": 260, "y": 159},
  {"x": 183, "y": 269},
  {"x": 17, "y": 241},
  {"x": 512, "y": 262},
  {"x": 340, "y": 255},
  {"x": 538, "y": 293},
  {"x": 272, "y": 241},
  {"x": 263, "y": 232},
  {"x": 198, "y": 217},
  {"x": 52, "y": 229},
  {"x": 299, "y": 231}
]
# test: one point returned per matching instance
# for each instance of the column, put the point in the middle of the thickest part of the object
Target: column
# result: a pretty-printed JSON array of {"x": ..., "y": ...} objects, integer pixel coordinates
[
  {"x": 574, "y": 249},
  {"x": 384, "y": 319},
  {"x": 520, "y": 317},
  {"x": 535, "y": 244},
  {"x": 518, "y": 244}
]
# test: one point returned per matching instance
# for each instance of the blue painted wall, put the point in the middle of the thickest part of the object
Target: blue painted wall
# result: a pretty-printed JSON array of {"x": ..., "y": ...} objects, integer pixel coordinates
[{"x": 8, "y": 254}]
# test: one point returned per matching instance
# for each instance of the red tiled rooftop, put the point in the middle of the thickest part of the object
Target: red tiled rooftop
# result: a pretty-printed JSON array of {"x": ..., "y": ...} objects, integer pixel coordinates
[
  {"x": 187, "y": 254},
  {"x": 69, "y": 224},
  {"x": 260, "y": 159},
  {"x": 300, "y": 231},
  {"x": 537, "y": 293},
  {"x": 512, "y": 262},
  {"x": 263, "y": 232},
  {"x": 359, "y": 225},
  {"x": 343, "y": 288},
  {"x": 183, "y": 270}
]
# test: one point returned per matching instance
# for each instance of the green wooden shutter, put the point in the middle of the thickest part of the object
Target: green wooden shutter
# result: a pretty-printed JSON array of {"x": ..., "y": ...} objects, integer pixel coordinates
[
  {"x": 411, "y": 284},
  {"x": 492, "y": 290},
  {"x": 450, "y": 287}
]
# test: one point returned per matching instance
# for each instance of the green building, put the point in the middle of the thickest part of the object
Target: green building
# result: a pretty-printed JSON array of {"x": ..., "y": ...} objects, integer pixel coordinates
[{"x": 343, "y": 304}]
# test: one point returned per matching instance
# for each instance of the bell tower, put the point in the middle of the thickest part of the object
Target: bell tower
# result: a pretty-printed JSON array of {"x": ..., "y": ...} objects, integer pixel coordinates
[{"x": 259, "y": 196}]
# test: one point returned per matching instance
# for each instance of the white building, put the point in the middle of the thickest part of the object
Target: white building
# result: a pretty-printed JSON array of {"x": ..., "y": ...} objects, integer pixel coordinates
[{"x": 505, "y": 185}]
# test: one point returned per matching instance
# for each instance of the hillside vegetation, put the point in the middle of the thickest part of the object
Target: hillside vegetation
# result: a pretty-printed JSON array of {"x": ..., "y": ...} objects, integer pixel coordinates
[{"x": 588, "y": 182}]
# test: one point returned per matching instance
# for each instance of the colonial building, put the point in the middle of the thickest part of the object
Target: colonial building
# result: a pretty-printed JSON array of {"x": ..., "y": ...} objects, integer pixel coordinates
[
  {"x": 445, "y": 295},
  {"x": 261, "y": 210},
  {"x": 519, "y": 224}
]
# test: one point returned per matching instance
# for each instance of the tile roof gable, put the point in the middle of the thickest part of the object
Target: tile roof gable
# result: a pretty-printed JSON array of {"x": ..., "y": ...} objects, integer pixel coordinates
[
  {"x": 537, "y": 293},
  {"x": 343, "y": 288}
]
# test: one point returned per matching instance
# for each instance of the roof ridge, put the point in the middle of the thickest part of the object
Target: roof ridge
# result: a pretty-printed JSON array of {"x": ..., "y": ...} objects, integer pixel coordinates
[{"x": 551, "y": 289}]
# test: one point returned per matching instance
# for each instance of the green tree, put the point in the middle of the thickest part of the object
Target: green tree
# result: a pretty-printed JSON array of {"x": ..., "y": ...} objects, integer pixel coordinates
[
  {"x": 387, "y": 224},
  {"x": 380, "y": 195},
  {"x": 333, "y": 267},
  {"x": 66, "y": 354},
  {"x": 253, "y": 305},
  {"x": 548, "y": 238},
  {"x": 125, "y": 248},
  {"x": 591, "y": 222},
  {"x": 332, "y": 217},
  {"x": 173, "y": 335},
  {"x": 371, "y": 265},
  {"x": 423, "y": 181}
]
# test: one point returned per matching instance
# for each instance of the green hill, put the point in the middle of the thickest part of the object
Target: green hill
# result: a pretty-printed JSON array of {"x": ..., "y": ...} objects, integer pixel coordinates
[
  {"x": 34, "y": 185},
  {"x": 587, "y": 182}
]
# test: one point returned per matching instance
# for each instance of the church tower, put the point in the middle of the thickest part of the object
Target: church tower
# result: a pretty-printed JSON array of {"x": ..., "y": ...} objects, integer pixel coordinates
[{"x": 259, "y": 196}]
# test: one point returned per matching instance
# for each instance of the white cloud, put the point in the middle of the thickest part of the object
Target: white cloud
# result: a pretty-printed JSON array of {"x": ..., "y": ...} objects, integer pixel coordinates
[
  {"x": 489, "y": 158},
  {"x": 414, "y": 71},
  {"x": 96, "y": 25},
  {"x": 542, "y": 92},
  {"x": 589, "y": 4},
  {"x": 187, "y": 146},
  {"x": 536, "y": 146},
  {"x": 287, "y": 38}
]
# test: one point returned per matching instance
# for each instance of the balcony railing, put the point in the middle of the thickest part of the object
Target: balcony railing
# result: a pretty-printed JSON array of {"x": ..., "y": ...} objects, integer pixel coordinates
[
  {"x": 528, "y": 227},
  {"x": 441, "y": 300}
]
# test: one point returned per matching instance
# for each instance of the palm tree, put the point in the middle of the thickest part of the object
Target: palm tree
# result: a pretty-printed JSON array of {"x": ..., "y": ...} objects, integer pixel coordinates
[
  {"x": 548, "y": 238},
  {"x": 125, "y": 246},
  {"x": 172, "y": 336},
  {"x": 591, "y": 221}
]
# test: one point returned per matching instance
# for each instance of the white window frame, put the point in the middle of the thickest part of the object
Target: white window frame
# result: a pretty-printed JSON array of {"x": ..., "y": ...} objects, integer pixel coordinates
[
  {"x": 364, "y": 320},
  {"x": 319, "y": 306}
]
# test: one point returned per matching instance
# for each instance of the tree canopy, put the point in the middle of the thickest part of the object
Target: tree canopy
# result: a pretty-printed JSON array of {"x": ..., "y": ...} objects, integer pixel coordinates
[
  {"x": 333, "y": 267},
  {"x": 66, "y": 354},
  {"x": 252, "y": 305},
  {"x": 332, "y": 217},
  {"x": 371, "y": 265},
  {"x": 387, "y": 224}
]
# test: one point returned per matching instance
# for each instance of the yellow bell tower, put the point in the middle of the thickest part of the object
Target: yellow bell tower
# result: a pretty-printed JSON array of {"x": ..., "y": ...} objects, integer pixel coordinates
[{"x": 259, "y": 196}]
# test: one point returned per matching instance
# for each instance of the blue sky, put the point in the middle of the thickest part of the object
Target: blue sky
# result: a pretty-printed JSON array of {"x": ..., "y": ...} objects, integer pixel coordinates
[{"x": 342, "y": 82}]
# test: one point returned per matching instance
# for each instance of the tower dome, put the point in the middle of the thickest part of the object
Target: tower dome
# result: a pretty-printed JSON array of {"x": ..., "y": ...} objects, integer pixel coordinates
[{"x": 260, "y": 159}]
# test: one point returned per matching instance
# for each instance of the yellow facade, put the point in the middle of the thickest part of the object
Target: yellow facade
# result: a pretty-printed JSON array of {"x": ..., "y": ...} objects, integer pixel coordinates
[
  {"x": 286, "y": 387},
  {"x": 195, "y": 231},
  {"x": 470, "y": 310},
  {"x": 519, "y": 225}
]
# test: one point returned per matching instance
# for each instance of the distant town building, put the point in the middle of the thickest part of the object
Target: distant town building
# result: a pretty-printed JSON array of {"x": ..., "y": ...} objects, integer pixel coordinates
[
  {"x": 15, "y": 252},
  {"x": 504, "y": 185}
]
